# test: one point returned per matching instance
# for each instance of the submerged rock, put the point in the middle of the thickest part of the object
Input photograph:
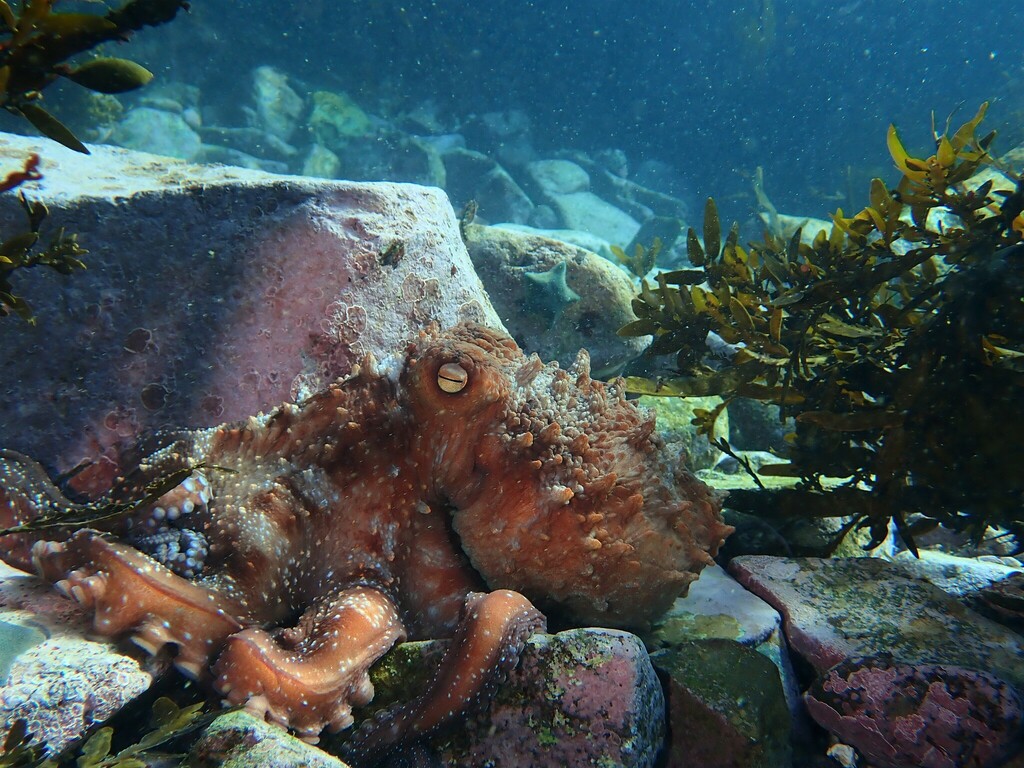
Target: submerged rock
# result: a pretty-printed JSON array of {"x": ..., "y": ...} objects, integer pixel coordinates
[
  {"x": 579, "y": 697},
  {"x": 239, "y": 740},
  {"x": 726, "y": 707},
  {"x": 278, "y": 106},
  {"x": 534, "y": 283},
  {"x": 899, "y": 661},
  {"x": 159, "y": 132}
]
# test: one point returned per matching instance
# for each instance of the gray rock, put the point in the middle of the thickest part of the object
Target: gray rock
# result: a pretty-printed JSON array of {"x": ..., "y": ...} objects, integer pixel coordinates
[
  {"x": 474, "y": 176},
  {"x": 558, "y": 177},
  {"x": 717, "y": 606},
  {"x": 539, "y": 314},
  {"x": 321, "y": 163},
  {"x": 252, "y": 141},
  {"x": 278, "y": 106},
  {"x": 392, "y": 156},
  {"x": 585, "y": 240},
  {"x": 588, "y": 212},
  {"x": 957, "y": 576},
  {"x": 158, "y": 132},
  {"x": 211, "y": 153},
  {"x": 59, "y": 682},
  {"x": 239, "y": 740}
]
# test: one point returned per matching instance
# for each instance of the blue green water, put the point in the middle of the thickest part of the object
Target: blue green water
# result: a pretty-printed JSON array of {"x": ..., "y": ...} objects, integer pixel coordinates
[{"x": 803, "y": 88}]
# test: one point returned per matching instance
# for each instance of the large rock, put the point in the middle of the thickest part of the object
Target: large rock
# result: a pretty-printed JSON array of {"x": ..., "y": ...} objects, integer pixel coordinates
[
  {"x": 579, "y": 697},
  {"x": 907, "y": 674},
  {"x": 211, "y": 293},
  {"x": 845, "y": 607},
  {"x": 556, "y": 298}
]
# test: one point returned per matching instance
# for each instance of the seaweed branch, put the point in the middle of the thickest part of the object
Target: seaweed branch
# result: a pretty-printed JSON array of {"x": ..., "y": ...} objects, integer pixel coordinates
[{"x": 896, "y": 344}]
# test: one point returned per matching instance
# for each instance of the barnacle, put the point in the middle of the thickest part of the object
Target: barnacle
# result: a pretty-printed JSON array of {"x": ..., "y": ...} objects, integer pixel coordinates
[{"x": 897, "y": 345}]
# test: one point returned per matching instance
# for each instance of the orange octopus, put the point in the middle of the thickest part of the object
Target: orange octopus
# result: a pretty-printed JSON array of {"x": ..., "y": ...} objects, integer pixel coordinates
[{"x": 445, "y": 498}]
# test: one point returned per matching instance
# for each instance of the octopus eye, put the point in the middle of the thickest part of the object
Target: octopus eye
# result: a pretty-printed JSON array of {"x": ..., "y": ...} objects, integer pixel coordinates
[{"x": 452, "y": 377}]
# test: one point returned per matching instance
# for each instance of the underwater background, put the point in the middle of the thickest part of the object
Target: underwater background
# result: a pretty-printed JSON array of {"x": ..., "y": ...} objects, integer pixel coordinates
[
  {"x": 803, "y": 88},
  {"x": 851, "y": 378},
  {"x": 697, "y": 95}
]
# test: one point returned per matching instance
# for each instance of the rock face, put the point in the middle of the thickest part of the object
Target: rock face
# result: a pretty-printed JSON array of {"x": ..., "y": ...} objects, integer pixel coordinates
[{"x": 211, "y": 293}]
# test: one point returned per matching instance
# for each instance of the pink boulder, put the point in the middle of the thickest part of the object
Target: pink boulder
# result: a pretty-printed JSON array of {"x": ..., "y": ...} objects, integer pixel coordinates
[{"x": 210, "y": 294}]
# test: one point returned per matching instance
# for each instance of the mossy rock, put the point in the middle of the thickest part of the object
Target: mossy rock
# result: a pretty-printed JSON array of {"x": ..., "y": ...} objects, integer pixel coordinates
[
  {"x": 726, "y": 706},
  {"x": 337, "y": 119}
]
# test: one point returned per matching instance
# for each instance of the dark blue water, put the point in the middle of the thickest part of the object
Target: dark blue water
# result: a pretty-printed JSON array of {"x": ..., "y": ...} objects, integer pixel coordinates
[{"x": 805, "y": 89}]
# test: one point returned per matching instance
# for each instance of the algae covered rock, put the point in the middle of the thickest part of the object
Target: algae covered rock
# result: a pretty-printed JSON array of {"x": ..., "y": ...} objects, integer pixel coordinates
[
  {"x": 555, "y": 298},
  {"x": 580, "y": 697},
  {"x": 675, "y": 417},
  {"x": 336, "y": 119},
  {"x": 726, "y": 707}
]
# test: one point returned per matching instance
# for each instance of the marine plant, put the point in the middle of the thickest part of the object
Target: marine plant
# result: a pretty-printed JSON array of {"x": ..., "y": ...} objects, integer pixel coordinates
[
  {"x": 642, "y": 260},
  {"x": 20, "y": 251},
  {"x": 895, "y": 339},
  {"x": 36, "y": 42},
  {"x": 168, "y": 722}
]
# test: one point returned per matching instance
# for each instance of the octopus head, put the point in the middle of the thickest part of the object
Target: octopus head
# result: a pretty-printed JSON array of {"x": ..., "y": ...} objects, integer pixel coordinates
[{"x": 557, "y": 485}]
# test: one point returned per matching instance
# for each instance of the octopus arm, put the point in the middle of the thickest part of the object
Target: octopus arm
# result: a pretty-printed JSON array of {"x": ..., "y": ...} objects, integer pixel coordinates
[
  {"x": 307, "y": 678},
  {"x": 486, "y": 647},
  {"x": 130, "y": 593}
]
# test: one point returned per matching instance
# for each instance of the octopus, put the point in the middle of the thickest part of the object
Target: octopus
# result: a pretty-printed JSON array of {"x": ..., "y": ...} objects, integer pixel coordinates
[{"x": 466, "y": 491}]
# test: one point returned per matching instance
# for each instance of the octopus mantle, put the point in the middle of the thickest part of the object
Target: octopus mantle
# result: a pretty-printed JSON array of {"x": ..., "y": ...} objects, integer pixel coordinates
[{"x": 445, "y": 499}]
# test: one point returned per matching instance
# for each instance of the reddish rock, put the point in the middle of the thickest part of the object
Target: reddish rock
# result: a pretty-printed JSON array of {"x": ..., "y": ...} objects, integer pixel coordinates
[
  {"x": 581, "y": 697},
  {"x": 907, "y": 674},
  {"x": 923, "y": 716},
  {"x": 211, "y": 293}
]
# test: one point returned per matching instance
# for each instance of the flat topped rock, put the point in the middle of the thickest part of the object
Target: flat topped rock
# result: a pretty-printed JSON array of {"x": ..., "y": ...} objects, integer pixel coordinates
[
  {"x": 211, "y": 293},
  {"x": 852, "y": 607}
]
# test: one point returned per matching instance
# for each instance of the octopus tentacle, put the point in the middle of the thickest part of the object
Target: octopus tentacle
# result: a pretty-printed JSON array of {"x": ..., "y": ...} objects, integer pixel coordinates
[
  {"x": 309, "y": 677},
  {"x": 130, "y": 592},
  {"x": 486, "y": 647}
]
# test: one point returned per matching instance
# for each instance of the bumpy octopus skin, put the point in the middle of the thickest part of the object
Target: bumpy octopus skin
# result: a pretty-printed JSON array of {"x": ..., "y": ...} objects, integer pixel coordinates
[{"x": 445, "y": 498}]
